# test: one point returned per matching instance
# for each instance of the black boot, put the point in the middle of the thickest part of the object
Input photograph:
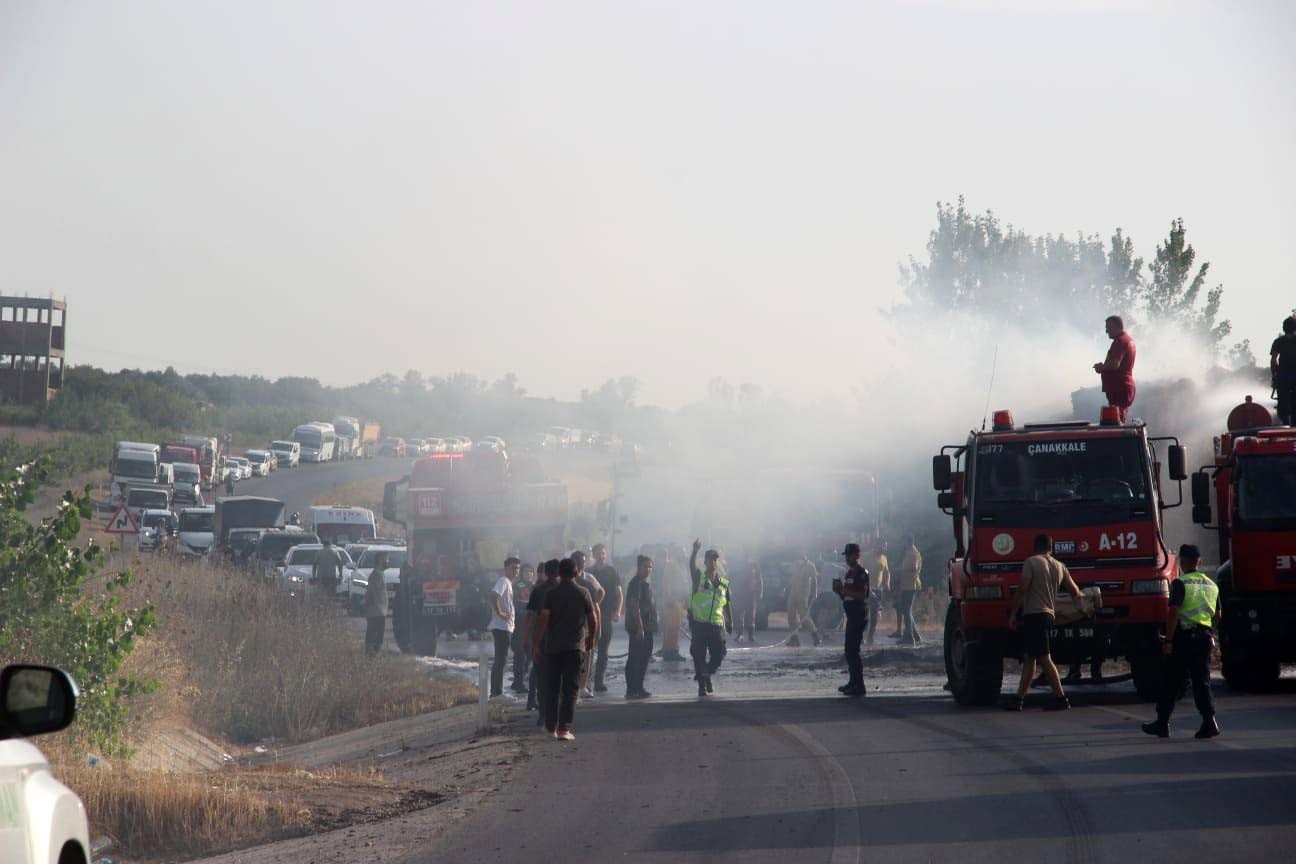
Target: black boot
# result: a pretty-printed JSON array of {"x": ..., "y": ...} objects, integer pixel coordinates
[
  {"x": 1159, "y": 728},
  {"x": 1209, "y": 728}
]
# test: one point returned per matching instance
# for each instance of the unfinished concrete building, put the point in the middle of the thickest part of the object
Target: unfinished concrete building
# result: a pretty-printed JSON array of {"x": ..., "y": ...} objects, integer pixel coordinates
[{"x": 33, "y": 335}]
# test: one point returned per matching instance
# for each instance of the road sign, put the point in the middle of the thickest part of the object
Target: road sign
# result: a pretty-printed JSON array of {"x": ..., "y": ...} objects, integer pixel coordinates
[{"x": 122, "y": 522}]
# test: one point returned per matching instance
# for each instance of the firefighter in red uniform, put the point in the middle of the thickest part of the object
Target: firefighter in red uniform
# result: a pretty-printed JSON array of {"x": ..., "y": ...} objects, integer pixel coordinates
[{"x": 1117, "y": 370}]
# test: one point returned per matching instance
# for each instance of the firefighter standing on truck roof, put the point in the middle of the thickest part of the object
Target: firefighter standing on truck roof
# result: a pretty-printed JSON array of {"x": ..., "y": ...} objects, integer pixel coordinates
[
  {"x": 1117, "y": 370},
  {"x": 1282, "y": 370},
  {"x": 1190, "y": 638},
  {"x": 709, "y": 617},
  {"x": 853, "y": 589}
]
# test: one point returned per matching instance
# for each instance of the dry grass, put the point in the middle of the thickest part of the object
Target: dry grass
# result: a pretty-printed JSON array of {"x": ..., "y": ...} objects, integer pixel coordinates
[
  {"x": 244, "y": 661},
  {"x": 152, "y": 814}
]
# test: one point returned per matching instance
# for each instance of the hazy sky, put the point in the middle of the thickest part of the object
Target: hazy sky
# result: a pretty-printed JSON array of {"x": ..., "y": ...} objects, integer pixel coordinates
[{"x": 575, "y": 191}]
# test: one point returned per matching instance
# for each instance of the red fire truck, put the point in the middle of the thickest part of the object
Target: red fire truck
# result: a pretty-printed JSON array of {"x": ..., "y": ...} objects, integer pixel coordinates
[
  {"x": 1255, "y": 498},
  {"x": 1096, "y": 489},
  {"x": 464, "y": 513}
]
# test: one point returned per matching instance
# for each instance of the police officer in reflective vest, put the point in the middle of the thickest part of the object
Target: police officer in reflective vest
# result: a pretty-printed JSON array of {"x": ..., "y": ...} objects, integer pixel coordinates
[
  {"x": 709, "y": 617},
  {"x": 1189, "y": 640}
]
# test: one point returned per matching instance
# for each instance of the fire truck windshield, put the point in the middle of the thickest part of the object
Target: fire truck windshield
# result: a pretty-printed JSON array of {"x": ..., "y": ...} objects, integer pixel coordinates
[
  {"x": 1266, "y": 492},
  {"x": 1046, "y": 484}
]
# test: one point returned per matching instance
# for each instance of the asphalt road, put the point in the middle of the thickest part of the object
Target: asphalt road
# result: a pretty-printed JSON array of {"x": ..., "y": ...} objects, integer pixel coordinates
[
  {"x": 300, "y": 487},
  {"x": 772, "y": 770},
  {"x": 894, "y": 778}
]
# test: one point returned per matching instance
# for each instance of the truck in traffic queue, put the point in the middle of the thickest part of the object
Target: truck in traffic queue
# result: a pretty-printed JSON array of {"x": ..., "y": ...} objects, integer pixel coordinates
[
  {"x": 463, "y": 513},
  {"x": 134, "y": 463},
  {"x": 174, "y": 452},
  {"x": 209, "y": 454},
  {"x": 370, "y": 435},
  {"x": 1096, "y": 490},
  {"x": 246, "y": 511},
  {"x": 1254, "y": 484}
]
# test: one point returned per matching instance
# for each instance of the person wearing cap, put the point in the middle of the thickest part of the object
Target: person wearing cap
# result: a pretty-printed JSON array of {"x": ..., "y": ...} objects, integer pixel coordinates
[
  {"x": 709, "y": 617},
  {"x": 1190, "y": 638},
  {"x": 853, "y": 589}
]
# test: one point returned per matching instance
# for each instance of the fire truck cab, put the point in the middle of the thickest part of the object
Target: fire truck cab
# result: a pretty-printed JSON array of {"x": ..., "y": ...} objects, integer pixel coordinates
[
  {"x": 1096, "y": 490},
  {"x": 1254, "y": 485}
]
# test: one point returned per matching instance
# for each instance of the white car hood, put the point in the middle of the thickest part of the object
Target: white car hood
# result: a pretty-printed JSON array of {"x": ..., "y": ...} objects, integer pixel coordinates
[{"x": 197, "y": 539}]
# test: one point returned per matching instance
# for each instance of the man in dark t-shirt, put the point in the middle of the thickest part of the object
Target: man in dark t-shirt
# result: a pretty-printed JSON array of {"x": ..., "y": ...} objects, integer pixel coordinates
[
  {"x": 609, "y": 610},
  {"x": 641, "y": 624},
  {"x": 1282, "y": 369},
  {"x": 536, "y": 690},
  {"x": 568, "y": 628}
]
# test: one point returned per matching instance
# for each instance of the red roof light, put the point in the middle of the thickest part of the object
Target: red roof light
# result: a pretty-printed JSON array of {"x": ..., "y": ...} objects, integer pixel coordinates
[
  {"x": 1109, "y": 416},
  {"x": 1003, "y": 421}
]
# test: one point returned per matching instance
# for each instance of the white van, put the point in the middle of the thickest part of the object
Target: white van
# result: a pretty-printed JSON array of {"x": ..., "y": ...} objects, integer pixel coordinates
[
  {"x": 186, "y": 484},
  {"x": 343, "y": 525},
  {"x": 289, "y": 453},
  {"x": 260, "y": 460}
]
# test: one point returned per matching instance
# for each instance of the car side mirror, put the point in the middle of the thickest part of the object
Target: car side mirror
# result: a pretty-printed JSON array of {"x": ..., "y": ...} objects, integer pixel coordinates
[
  {"x": 35, "y": 700},
  {"x": 942, "y": 471},
  {"x": 1178, "y": 459},
  {"x": 1201, "y": 489},
  {"x": 945, "y": 501}
]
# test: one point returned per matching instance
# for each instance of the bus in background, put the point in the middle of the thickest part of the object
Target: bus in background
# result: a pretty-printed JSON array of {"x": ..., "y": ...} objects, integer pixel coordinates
[
  {"x": 316, "y": 440},
  {"x": 341, "y": 525}
]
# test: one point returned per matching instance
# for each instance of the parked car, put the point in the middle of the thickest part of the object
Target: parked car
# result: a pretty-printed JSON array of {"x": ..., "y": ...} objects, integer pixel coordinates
[
  {"x": 41, "y": 820},
  {"x": 157, "y": 530},
  {"x": 391, "y": 447},
  {"x": 491, "y": 442},
  {"x": 244, "y": 467},
  {"x": 364, "y": 569},
  {"x": 287, "y": 453},
  {"x": 436, "y": 445},
  {"x": 186, "y": 488},
  {"x": 196, "y": 531},
  {"x": 299, "y": 565},
  {"x": 241, "y": 545},
  {"x": 143, "y": 498},
  {"x": 272, "y": 549},
  {"x": 259, "y": 460}
]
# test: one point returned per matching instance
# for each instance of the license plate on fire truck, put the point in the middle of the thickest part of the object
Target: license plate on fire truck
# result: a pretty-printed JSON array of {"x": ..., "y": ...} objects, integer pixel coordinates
[
  {"x": 439, "y": 598},
  {"x": 1071, "y": 633}
]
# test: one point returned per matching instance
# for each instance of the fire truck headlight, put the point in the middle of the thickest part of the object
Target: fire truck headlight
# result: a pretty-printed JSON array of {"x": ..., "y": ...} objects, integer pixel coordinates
[{"x": 1150, "y": 586}]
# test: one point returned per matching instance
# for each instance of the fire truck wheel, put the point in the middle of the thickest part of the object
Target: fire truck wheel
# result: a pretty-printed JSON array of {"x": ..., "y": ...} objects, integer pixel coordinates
[
  {"x": 425, "y": 640},
  {"x": 1251, "y": 675},
  {"x": 974, "y": 668}
]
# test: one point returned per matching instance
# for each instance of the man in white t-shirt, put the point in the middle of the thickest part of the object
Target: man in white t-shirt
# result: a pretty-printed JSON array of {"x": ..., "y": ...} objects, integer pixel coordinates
[{"x": 501, "y": 623}]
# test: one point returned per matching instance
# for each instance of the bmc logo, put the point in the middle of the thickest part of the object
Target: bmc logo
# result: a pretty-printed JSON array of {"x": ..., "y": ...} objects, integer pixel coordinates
[{"x": 1287, "y": 562}]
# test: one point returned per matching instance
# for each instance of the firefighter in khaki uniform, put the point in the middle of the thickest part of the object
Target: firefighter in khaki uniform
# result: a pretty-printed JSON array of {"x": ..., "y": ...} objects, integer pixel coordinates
[
  {"x": 1189, "y": 640},
  {"x": 801, "y": 593}
]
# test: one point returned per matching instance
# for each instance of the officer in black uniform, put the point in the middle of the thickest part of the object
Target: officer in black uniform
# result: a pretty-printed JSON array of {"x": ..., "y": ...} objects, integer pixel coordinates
[{"x": 853, "y": 589}]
